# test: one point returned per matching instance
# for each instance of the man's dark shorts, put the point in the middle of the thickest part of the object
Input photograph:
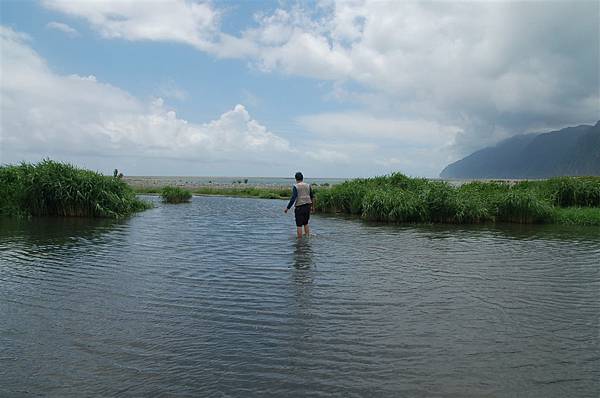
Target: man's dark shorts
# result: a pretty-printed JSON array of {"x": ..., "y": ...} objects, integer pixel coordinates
[{"x": 302, "y": 214}]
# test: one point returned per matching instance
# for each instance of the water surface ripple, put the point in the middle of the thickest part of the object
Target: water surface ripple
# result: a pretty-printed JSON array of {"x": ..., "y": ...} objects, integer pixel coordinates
[{"x": 217, "y": 298}]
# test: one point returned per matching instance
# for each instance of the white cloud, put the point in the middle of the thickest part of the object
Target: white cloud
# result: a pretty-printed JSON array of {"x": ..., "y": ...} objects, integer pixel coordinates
[
  {"x": 47, "y": 114},
  {"x": 306, "y": 54},
  {"x": 79, "y": 117},
  {"x": 169, "y": 89},
  {"x": 352, "y": 125},
  {"x": 451, "y": 75},
  {"x": 328, "y": 155},
  {"x": 62, "y": 27},
  {"x": 382, "y": 144},
  {"x": 250, "y": 98},
  {"x": 486, "y": 67},
  {"x": 167, "y": 20}
]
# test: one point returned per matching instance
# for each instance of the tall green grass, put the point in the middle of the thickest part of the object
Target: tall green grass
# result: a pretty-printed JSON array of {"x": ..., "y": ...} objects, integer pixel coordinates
[
  {"x": 175, "y": 195},
  {"x": 397, "y": 198},
  {"x": 51, "y": 188},
  {"x": 523, "y": 207},
  {"x": 393, "y": 206},
  {"x": 576, "y": 215},
  {"x": 572, "y": 191}
]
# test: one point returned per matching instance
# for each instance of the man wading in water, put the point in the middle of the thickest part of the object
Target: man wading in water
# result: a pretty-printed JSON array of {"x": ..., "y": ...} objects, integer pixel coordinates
[{"x": 302, "y": 195}]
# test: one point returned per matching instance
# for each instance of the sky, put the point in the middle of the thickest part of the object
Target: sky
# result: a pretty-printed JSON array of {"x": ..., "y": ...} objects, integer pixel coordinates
[{"x": 266, "y": 88}]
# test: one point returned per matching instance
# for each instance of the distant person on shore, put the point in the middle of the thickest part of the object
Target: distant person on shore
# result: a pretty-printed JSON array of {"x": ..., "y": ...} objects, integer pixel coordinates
[{"x": 303, "y": 198}]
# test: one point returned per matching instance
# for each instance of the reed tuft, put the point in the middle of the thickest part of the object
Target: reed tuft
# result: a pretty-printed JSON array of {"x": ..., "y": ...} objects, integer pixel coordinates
[
  {"x": 397, "y": 198},
  {"x": 50, "y": 188},
  {"x": 175, "y": 195}
]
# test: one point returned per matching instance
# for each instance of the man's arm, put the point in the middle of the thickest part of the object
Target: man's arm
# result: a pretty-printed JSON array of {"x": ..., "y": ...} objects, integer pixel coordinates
[
  {"x": 292, "y": 200},
  {"x": 312, "y": 199}
]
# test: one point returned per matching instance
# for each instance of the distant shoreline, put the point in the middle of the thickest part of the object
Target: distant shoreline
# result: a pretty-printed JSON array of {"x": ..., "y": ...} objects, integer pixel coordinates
[
  {"x": 142, "y": 183},
  {"x": 192, "y": 183}
]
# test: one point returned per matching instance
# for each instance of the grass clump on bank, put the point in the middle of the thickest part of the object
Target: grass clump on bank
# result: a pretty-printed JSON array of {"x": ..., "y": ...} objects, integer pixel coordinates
[
  {"x": 175, "y": 195},
  {"x": 243, "y": 192},
  {"x": 51, "y": 188},
  {"x": 247, "y": 192},
  {"x": 397, "y": 198}
]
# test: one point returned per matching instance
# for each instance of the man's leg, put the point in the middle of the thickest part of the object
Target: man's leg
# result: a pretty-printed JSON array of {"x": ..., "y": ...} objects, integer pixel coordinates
[
  {"x": 306, "y": 230},
  {"x": 299, "y": 232}
]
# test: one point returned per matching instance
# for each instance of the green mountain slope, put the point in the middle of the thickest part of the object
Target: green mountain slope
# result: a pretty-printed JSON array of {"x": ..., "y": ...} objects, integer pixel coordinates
[{"x": 571, "y": 151}]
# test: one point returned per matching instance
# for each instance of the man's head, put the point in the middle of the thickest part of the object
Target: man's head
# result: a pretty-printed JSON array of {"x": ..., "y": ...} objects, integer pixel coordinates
[{"x": 299, "y": 176}]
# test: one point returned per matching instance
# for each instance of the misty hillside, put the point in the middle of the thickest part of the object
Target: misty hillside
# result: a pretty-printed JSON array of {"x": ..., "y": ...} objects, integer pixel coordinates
[{"x": 571, "y": 151}]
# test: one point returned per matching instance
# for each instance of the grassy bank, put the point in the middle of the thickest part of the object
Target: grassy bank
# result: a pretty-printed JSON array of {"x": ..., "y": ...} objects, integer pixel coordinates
[
  {"x": 50, "y": 188},
  {"x": 175, "y": 195},
  {"x": 397, "y": 199},
  {"x": 243, "y": 192}
]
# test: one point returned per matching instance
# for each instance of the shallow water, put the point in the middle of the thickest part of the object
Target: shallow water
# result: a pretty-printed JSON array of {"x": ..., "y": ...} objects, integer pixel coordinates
[{"x": 217, "y": 298}]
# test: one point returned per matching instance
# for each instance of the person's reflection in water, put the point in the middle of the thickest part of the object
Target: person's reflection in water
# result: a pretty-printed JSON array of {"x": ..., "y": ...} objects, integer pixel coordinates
[
  {"x": 303, "y": 254},
  {"x": 303, "y": 276},
  {"x": 302, "y": 307}
]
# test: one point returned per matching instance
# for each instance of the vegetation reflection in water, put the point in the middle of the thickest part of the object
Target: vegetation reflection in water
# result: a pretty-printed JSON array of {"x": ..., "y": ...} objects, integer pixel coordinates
[{"x": 57, "y": 230}]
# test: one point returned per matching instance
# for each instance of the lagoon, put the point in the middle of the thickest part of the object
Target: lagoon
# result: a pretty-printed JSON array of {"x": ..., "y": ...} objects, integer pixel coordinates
[{"x": 218, "y": 298}]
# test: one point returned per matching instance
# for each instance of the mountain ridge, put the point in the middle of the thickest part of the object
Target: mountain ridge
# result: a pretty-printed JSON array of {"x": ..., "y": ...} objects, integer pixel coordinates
[{"x": 573, "y": 151}]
